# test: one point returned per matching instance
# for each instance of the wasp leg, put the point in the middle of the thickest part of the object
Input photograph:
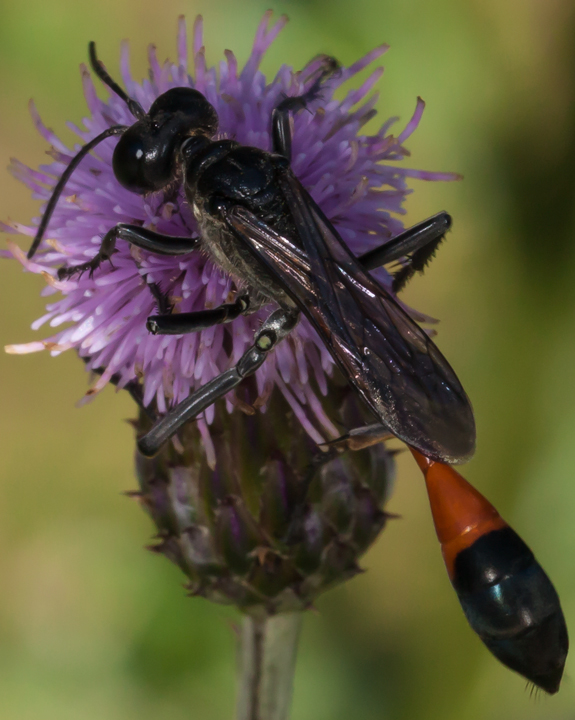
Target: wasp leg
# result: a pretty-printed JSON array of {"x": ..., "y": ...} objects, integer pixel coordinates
[
  {"x": 360, "y": 438},
  {"x": 279, "y": 324},
  {"x": 417, "y": 243},
  {"x": 139, "y": 236},
  {"x": 182, "y": 323},
  {"x": 163, "y": 303},
  {"x": 281, "y": 128}
]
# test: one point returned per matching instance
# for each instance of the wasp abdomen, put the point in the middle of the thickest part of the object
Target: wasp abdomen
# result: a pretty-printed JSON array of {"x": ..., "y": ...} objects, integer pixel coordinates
[
  {"x": 511, "y": 604},
  {"x": 506, "y": 596}
]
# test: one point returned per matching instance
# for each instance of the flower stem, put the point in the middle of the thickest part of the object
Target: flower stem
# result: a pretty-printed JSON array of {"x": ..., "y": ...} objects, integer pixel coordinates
[{"x": 266, "y": 665}]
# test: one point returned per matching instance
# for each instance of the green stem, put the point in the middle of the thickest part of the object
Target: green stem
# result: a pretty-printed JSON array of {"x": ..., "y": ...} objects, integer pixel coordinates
[{"x": 266, "y": 659}]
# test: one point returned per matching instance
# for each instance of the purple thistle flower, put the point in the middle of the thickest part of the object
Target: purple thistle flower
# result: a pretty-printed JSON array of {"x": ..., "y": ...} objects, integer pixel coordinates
[
  {"x": 277, "y": 521},
  {"x": 355, "y": 179}
]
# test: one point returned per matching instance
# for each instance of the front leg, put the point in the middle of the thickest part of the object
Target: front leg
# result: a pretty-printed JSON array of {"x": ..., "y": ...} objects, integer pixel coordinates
[
  {"x": 136, "y": 235},
  {"x": 281, "y": 129},
  {"x": 279, "y": 324}
]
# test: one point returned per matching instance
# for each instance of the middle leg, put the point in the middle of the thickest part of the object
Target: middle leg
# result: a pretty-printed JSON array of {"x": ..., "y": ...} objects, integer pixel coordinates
[
  {"x": 417, "y": 243},
  {"x": 183, "y": 323}
]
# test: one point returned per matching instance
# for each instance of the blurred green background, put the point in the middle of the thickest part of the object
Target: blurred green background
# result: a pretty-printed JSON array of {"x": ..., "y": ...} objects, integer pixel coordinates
[{"x": 93, "y": 627}]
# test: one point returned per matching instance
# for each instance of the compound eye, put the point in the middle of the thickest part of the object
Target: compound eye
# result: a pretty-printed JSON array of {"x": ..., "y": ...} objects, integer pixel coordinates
[{"x": 131, "y": 162}]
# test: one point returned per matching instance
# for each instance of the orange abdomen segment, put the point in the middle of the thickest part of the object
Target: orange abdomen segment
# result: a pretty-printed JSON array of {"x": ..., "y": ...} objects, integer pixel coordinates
[{"x": 460, "y": 513}]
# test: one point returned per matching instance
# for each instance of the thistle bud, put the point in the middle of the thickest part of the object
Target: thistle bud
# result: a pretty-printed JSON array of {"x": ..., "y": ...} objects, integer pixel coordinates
[
  {"x": 275, "y": 521},
  {"x": 236, "y": 535}
]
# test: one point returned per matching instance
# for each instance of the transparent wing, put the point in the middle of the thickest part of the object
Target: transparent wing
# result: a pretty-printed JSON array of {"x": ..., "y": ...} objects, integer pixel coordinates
[{"x": 384, "y": 354}]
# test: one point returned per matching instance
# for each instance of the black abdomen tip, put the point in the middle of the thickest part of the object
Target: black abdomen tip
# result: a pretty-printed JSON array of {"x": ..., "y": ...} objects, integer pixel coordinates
[{"x": 512, "y": 605}]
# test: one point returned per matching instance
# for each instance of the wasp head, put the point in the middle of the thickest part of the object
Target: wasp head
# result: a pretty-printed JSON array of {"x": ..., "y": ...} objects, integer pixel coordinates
[{"x": 145, "y": 157}]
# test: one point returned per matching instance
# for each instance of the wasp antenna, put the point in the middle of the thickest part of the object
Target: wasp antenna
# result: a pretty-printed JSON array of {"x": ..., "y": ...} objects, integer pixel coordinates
[
  {"x": 98, "y": 67},
  {"x": 76, "y": 160}
]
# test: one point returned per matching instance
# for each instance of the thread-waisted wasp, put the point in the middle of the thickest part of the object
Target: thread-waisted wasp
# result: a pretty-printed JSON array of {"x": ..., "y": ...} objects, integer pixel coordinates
[{"x": 259, "y": 224}]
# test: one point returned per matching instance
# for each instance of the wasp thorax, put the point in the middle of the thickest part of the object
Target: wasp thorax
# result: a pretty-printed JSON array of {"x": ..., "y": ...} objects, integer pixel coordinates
[{"x": 145, "y": 157}]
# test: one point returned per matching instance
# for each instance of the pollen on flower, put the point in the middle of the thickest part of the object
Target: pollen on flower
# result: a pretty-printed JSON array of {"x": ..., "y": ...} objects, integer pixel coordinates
[{"x": 355, "y": 178}]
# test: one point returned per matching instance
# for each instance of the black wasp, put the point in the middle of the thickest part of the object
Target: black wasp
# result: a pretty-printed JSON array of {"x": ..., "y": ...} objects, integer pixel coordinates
[{"x": 259, "y": 224}]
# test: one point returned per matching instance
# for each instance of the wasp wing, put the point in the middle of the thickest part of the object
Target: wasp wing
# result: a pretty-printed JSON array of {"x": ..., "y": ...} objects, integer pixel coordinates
[{"x": 384, "y": 354}]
